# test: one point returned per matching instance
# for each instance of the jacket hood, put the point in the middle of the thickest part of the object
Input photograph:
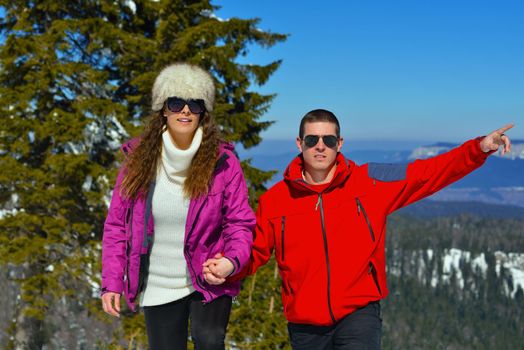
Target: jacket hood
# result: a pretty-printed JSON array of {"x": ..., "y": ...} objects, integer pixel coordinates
[
  {"x": 293, "y": 173},
  {"x": 225, "y": 146},
  {"x": 128, "y": 146}
]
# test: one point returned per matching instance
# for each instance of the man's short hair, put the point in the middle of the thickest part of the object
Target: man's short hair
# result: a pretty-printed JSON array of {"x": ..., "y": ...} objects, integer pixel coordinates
[{"x": 318, "y": 115}]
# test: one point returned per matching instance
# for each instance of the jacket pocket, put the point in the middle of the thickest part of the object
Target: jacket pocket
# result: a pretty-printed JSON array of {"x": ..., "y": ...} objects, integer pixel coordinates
[
  {"x": 373, "y": 272},
  {"x": 361, "y": 210},
  {"x": 128, "y": 229},
  {"x": 282, "y": 236}
]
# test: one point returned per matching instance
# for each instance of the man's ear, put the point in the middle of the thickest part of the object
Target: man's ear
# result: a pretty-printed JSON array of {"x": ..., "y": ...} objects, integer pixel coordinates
[
  {"x": 299, "y": 144},
  {"x": 340, "y": 143}
]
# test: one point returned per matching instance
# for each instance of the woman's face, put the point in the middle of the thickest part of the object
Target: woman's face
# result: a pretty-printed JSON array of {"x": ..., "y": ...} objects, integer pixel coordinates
[{"x": 182, "y": 124}]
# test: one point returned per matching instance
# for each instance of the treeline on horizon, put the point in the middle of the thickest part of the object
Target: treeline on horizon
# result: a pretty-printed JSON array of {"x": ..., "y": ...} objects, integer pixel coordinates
[{"x": 478, "y": 315}]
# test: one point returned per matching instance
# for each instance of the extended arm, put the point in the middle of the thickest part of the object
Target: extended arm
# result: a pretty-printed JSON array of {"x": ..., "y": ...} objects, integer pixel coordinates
[{"x": 425, "y": 177}]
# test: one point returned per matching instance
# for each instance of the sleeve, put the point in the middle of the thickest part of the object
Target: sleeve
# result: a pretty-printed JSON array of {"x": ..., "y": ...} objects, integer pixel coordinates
[
  {"x": 422, "y": 178},
  {"x": 263, "y": 245},
  {"x": 114, "y": 243},
  {"x": 238, "y": 218}
]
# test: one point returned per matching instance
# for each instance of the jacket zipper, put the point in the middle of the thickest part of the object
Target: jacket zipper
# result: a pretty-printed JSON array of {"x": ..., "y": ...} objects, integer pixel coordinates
[
  {"x": 282, "y": 237},
  {"x": 373, "y": 273},
  {"x": 143, "y": 269},
  {"x": 218, "y": 165},
  {"x": 324, "y": 234},
  {"x": 360, "y": 208},
  {"x": 186, "y": 251}
]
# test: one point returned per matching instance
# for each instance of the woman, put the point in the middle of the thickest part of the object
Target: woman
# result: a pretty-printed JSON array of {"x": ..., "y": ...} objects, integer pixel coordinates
[{"x": 179, "y": 200}]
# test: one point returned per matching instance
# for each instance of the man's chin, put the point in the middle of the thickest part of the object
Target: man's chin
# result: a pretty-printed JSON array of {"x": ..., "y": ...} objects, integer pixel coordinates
[{"x": 320, "y": 167}]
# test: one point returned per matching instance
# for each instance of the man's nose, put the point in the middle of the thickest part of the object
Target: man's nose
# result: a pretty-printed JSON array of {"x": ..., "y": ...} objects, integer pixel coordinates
[{"x": 320, "y": 144}]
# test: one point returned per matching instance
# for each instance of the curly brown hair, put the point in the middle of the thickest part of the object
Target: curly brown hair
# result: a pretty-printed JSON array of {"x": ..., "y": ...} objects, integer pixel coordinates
[{"x": 142, "y": 163}]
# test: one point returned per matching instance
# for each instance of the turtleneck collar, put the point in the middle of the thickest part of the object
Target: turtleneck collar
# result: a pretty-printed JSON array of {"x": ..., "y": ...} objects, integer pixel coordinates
[{"x": 176, "y": 162}]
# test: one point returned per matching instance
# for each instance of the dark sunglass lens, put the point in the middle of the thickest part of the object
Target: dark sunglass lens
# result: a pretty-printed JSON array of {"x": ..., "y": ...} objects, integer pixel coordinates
[
  {"x": 175, "y": 104},
  {"x": 330, "y": 140},
  {"x": 195, "y": 106},
  {"x": 311, "y": 140}
]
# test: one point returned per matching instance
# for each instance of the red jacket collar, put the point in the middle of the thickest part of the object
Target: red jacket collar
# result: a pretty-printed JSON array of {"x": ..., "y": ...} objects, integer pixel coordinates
[{"x": 293, "y": 173}]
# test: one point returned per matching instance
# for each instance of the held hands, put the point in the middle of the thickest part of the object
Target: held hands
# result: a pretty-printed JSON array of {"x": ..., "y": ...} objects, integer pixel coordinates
[
  {"x": 111, "y": 303},
  {"x": 217, "y": 269},
  {"x": 497, "y": 138}
]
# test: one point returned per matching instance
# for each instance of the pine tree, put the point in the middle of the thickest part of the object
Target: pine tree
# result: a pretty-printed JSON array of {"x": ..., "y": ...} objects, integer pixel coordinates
[
  {"x": 75, "y": 81},
  {"x": 257, "y": 321}
]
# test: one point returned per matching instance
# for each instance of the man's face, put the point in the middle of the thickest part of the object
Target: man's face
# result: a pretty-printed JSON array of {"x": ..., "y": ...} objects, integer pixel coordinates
[{"x": 319, "y": 157}]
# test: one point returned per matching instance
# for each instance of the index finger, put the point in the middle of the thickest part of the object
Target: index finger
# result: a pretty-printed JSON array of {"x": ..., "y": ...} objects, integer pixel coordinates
[
  {"x": 212, "y": 279},
  {"x": 505, "y": 128},
  {"x": 211, "y": 262}
]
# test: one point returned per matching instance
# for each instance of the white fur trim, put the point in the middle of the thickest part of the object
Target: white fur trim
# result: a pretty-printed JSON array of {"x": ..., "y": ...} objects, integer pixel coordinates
[{"x": 185, "y": 81}]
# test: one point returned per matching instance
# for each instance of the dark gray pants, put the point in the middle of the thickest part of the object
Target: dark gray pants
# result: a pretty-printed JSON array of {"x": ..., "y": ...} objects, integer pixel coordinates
[{"x": 358, "y": 330}]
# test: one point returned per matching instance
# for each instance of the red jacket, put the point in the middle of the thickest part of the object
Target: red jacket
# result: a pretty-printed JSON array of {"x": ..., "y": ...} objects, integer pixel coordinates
[{"x": 329, "y": 245}]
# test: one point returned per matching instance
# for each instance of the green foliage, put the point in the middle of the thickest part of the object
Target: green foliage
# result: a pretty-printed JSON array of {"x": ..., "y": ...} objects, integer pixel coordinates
[
  {"x": 75, "y": 81},
  {"x": 257, "y": 320},
  {"x": 255, "y": 179}
]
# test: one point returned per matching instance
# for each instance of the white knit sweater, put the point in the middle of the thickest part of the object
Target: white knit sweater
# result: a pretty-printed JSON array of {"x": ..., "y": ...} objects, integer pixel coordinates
[{"x": 168, "y": 278}]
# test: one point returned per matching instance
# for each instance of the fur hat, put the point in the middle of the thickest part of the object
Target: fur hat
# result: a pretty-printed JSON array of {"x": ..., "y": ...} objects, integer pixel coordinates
[{"x": 185, "y": 81}]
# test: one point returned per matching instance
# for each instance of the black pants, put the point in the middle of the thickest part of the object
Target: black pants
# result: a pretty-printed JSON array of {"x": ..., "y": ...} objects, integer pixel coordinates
[
  {"x": 167, "y": 324},
  {"x": 358, "y": 330}
]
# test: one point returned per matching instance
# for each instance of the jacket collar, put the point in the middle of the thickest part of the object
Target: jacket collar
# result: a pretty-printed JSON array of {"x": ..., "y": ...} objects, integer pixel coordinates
[{"x": 293, "y": 173}]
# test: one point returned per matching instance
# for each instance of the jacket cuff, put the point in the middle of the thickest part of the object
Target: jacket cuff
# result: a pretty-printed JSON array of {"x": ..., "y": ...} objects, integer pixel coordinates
[
  {"x": 115, "y": 287},
  {"x": 236, "y": 264},
  {"x": 478, "y": 152}
]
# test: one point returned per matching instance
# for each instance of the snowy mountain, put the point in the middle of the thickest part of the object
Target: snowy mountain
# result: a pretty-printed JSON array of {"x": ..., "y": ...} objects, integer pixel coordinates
[
  {"x": 499, "y": 181},
  {"x": 452, "y": 264},
  {"x": 517, "y": 151}
]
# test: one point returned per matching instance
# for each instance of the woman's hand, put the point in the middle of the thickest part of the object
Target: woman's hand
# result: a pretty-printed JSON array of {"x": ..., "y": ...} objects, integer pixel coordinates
[
  {"x": 217, "y": 269},
  {"x": 111, "y": 303}
]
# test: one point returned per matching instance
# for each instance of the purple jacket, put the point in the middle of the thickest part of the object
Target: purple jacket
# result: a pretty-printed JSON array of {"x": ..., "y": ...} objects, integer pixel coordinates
[{"x": 220, "y": 222}]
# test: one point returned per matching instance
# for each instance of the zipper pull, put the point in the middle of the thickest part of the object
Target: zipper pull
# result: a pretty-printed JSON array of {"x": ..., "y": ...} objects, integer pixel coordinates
[
  {"x": 318, "y": 201},
  {"x": 358, "y": 206}
]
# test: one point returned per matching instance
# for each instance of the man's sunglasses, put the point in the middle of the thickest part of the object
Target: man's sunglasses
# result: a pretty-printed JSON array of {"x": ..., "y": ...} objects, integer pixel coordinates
[
  {"x": 176, "y": 104},
  {"x": 330, "y": 141}
]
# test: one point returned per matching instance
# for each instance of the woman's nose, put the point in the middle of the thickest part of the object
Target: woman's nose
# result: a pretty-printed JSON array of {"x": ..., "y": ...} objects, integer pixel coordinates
[{"x": 185, "y": 110}]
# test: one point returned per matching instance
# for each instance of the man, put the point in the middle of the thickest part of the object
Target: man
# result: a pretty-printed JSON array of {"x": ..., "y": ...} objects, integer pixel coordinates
[{"x": 326, "y": 222}]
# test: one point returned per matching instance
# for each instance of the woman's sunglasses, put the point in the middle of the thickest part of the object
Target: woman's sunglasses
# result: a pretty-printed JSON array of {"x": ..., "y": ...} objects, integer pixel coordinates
[
  {"x": 330, "y": 141},
  {"x": 176, "y": 104}
]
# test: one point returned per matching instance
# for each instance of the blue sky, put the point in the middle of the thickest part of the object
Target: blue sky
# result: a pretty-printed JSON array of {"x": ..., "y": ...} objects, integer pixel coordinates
[{"x": 421, "y": 71}]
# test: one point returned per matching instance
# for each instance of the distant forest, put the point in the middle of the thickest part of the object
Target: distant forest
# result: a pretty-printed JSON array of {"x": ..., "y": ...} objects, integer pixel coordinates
[
  {"x": 470, "y": 312},
  {"x": 476, "y": 315}
]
